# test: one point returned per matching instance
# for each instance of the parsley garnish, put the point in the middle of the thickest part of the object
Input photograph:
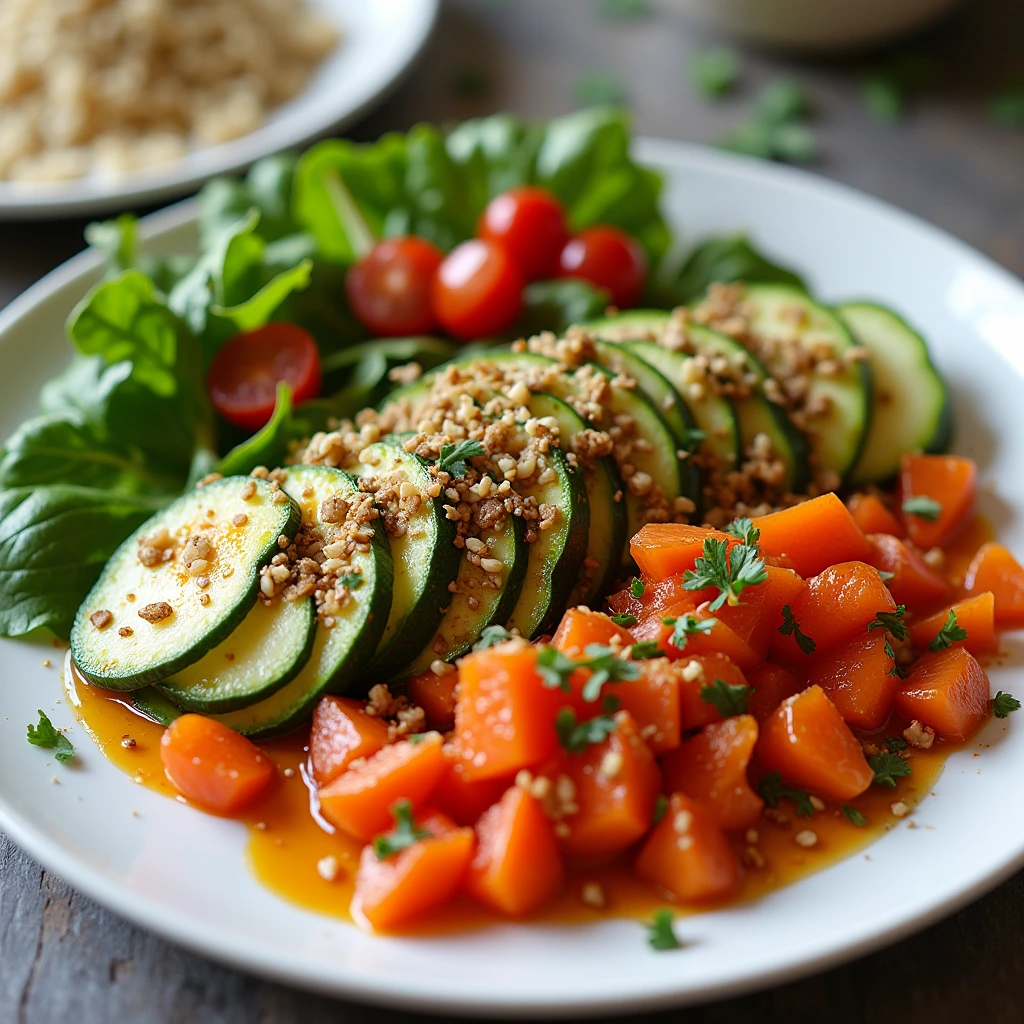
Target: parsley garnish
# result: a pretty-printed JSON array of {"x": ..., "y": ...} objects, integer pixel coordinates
[
  {"x": 644, "y": 649},
  {"x": 744, "y": 531},
  {"x": 491, "y": 635},
  {"x": 687, "y": 626},
  {"x": 895, "y": 670},
  {"x": 660, "y": 934},
  {"x": 404, "y": 834},
  {"x": 660, "y": 809},
  {"x": 731, "y": 572},
  {"x": 1002, "y": 705},
  {"x": 729, "y": 699},
  {"x": 888, "y": 768},
  {"x": 453, "y": 456},
  {"x": 714, "y": 72},
  {"x": 610, "y": 704},
  {"x": 892, "y": 621},
  {"x": 923, "y": 507},
  {"x": 351, "y": 580},
  {"x": 576, "y": 737},
  {"x": 605, "y": 666},
  {"x": 45, "y": 735},
  {"x": 854, "y": 816},
  {"x": 790, "y": 627},
  {"x": 625, "y": 620},
  {"x": 637, "y": 588},
  {"x": 885, "y": 576},
  {"x": 949, "y": 633},
  {"x": 895, "y": 743},
  {"x": 772, "y": 790}
]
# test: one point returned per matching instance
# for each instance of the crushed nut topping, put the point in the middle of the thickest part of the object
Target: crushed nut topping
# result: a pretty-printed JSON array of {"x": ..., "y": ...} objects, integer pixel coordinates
[
  {"x": 156, "y": 612},
  {"x": 102, "y": 618}
]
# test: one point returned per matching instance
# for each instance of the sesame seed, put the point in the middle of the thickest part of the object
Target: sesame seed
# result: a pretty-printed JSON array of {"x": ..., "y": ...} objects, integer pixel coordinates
[
  {"x": 900, "y": 809},
  {"x": 328, "y": 868},
  {"x": 806, "y": 838},
  {"x": 817, "y": 803}
]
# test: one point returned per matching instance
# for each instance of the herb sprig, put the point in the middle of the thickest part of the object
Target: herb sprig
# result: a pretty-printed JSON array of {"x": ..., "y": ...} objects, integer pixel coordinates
[
  {"x": 773, "y": 789},
  {"x": 660, "y": 933},
  {"x": 45, "y": 735},
  {"x": 892, "y": 621},
  {"x": 790, "y": 627},
  {"x": 923, "y": 507},
  {"x": 1003, "y": 704},
  {"x": 574, "y": 737},
  {"x": 888, "y": 768},
  {"x": 686, "y": 626},
  {"x": 730, "y": 571},
  {"x": 949, "y": 634},
  {"x": 453, "y": 457},
  {"x": 402, "y": 836},
  {"x": 604, "y": 664},
  {"x": 728, "y": 698}
]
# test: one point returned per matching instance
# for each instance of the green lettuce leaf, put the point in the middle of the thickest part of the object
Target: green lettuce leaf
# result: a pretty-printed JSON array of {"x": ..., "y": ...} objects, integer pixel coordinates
[{"x": 269, "y": 445}]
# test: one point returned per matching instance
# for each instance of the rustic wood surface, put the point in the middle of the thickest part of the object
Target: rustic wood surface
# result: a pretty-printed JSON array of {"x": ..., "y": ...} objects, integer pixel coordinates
[{"x": 63, "y": 958}]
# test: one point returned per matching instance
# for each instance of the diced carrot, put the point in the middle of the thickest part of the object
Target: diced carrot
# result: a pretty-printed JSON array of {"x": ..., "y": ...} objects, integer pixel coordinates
[
  {"x": 465, "y": 799},
  {"x": 653, "y": 701},
  {"x": 995, "y": 569},
  {"x": 394, "y": 891},
  {"x": 914, "y": 582},
  {"x": 872, "y": 515},
  {"x": 807, "y": 742},
  {"x": 518, "y": 865},
  {"x": 782, "y": 587},
  {"x": 712, "y": 768},
  {"x": 359, "y": 801},
  {"x": 948, "y": 691},
  {"x": 696, "y": 672},
  {"x": 652, "y": 593},
  {"x": 213, "y": 765},
  {"x": 616, "y": 783},
  {"x": 947, "y": 480},
  {"x": 839, "y": 603},
  {"x": 770, "y": 686},
  {"x": 860, "y": 680},
  {"x": 688, "y": 855},
  {"x": 436, "y": 695},
  {"x": 505, "y": 716},
  {"x": 666, "y": 549},
  {"x": 342, "y": 731},
  {"x": 580, "y": 627},
  {"x": 974, "y": 614},
  {"x": 815, "y": 534}
]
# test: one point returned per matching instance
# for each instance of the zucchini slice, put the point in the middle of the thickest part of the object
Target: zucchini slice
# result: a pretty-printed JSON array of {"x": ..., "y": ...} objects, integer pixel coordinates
[
  {"x": 267, "y": 650},
  {"x": 158, "y": 616},
  {"x": 911, "y": 410},
  {"x": 424, "y": 555}
]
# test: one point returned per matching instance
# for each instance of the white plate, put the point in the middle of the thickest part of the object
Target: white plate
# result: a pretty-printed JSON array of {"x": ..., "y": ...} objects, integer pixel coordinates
[
  {"x": 380, "y": 40},
  {"x": 181, "y": 873}
]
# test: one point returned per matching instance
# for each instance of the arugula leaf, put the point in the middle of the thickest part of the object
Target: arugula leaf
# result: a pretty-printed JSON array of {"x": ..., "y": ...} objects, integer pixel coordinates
[
  {"x": 714, "y": 72},
  {"x": 728, "y": 699},
  {"x": 269, "y": 445},
  {"x": 491, "y": 635},
  {"x": 731, "y": 572},
  {"x": 686, "y": 626},
  {"x": 790, "y": 627},
  {"x": 453, "y": 457},
  {"x": 772, "y": 790},
  {"x": 643, "y": 650},
  {"x": 948, "y": 634},
  {"x": 888, "y": 768},
  {"x": 892, "y": 621},
  {"x": 744, "y": 531},
  {"x": 660, "y": 934},
  {"x": 402, "y": 836},
  {"x": 854, "y": 816},
  {"x": 923, "y": 507},
  {"x": 625, "y": 619},
  {"x": 554, "y": 669},
  {"x": 1003, "y": 704},
  {"x": 636, "y": 588},
  {"x": 576, "y": 737},
  {"x": 45, "y": 735}
]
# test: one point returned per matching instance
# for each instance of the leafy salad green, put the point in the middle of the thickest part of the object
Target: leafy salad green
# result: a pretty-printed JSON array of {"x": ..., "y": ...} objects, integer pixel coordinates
[{"x": 129, "y": 425}]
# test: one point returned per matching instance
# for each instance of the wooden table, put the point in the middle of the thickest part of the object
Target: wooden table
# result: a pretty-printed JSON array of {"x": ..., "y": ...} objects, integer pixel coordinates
[{"x": 63, "y": 958}]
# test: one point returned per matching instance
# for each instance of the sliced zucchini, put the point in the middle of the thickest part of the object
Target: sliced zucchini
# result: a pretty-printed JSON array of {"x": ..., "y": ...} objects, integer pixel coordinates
[
  {"x": 781, "y": 315},
  {"x": 267, "y": 650},
  {"x": 634, "y": 325},
  {"x": 159, "y": 617},
  {"x": 154, "y": 705},
  {"x": 424, "y": 555},
  {"x": 911, "y": 410}
]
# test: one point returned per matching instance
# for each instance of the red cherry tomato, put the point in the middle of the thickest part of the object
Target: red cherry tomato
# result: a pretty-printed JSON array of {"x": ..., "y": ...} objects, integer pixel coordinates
[
  {"x": 243, "y": 378},
  {"x": 478, "y": 290},
  {"x": 389, "y": 289},
  {"x": 610, "y": 259},
  {"x": 531, "y": 222}
]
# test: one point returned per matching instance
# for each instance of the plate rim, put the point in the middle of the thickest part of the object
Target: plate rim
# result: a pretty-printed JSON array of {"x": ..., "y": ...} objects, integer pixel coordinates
[{"x": 418, "y": 994}]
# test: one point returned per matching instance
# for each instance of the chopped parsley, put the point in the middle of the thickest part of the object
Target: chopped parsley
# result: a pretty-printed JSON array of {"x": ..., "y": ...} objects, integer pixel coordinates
[
  {"x": 1002, "y": 705},
  {"x": 625, "y": 620},
  {"x": 854, "y": 816},
  {"x": 404, "y": 834},
  {"x": 686, "y": 626},
  {"x": 642, "y": 650},
  {"x": 744, "y": 531},
  {"x": 892, "y": 621},
  {"x": 790, "y": 627},
  {"x": 895, "y": 670},
  {"x": 660, "y": 934},
  {"x": 949, "y": 634},
  {"x": 923, "y": 507},
  {"x": 660, "y": 809},
  {"x": 605, "y": 666},
  {"x": 637, "y": 588},
  {"x": 351, "y": 580},
  {"x": 728, "y": 698},
  {"x": 575, "y": 736},
  {"x": 714, "y": 72},
  {"x": 610, "y": 704},
  {"x": 491, "y": 635},
  {"x": 773, "y": 789},
  {"x": 45, "y": 735},
  {"x": 731, "y": 572},
  {"x": 895, "y": 743},
  {"x": 453, "y": 456},
  {"x": 888, "y": 768}
]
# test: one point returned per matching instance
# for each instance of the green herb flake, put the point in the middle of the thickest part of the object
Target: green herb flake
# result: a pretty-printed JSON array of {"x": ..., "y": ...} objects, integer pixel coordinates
[
  {"x": 773, "y": 789},
  {"x": 660, "y": 809},
  {"x": 892, "y": 621},
  {"x": 404, "y": 834},
  {"x": 575, "y": 737},
  {"x": 599, "y": 89},
  {"x": 895, "y": 744},
  {"x": 554, "y": 669},
  {"x": 351, "y": 580},
  {"x": 1002, "y": 705},
  {"x": 790, "y": 627},
  {"x": 637, "y": 587},
  {"x": 453, "y": 457},
  {"x": 729, "y": 699},
  {"x": 895, "y": 670},
  {"x": 491, "y": 635},
  {"x": 660, "y": 933},
  {"x": 744, "y": 531},
  {"x": 625, "y": 620},
  {"x": 854, "y": 816},
  {"x": 45, "y": 735},
  {"x": 714, "y": 72},
  {"x": 888, "y": 768},
  {"x": 923, "y": 507},
  {"x": 643, "y": 650},
  {"x": 730, "y": 571},
  {"x": 689, "y": 625},
  {"x": 610, "y": 704},
  {"x": 949, "y": 634}
]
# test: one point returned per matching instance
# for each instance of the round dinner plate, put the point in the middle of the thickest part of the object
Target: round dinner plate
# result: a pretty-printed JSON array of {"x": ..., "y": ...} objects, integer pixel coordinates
[
  {"x": 380, "y": 39},
  {"x": 181, "y": 873}
]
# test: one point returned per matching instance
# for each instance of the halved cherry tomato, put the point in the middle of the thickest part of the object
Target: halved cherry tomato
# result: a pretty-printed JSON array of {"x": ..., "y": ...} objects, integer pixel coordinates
[
  {"x": 243, "y": 378},
  {"x": 531, "y": 223},
  {"x": 389, "y": 288},
  {"x": 477, "y": 290},
  {"x": 609, "y": 258}
]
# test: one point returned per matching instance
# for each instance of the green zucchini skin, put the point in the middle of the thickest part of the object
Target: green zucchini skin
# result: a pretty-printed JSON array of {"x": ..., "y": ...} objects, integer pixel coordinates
[
  {"x": 912, "y": 410},
  {"x": 155, "y": 651}
]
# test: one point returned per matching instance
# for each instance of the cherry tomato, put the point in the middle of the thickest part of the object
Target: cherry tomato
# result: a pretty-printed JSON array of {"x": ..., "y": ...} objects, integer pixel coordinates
[
  {"x": 610, "y": 259},
  {"x": 531, "y": 222},
  {"x": 478, "y": 290},
  {"x": 389, "y": 289},
  {"x": 243, "y": 378}
]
